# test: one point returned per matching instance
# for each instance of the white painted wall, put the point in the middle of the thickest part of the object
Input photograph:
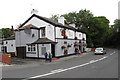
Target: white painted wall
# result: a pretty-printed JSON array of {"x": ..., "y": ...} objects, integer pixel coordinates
[
  {"x": 22, "y": 38},
  {"x": 9, "y": 44},
  {"x": 84, "y": 35},
  {"x": 50, "y": 33},
  {"x": 40, "y": 23},
  {"x": 88, "y": 49},
  {"x": 37, "y": 22},
  {"x": 69, "y": 33}
]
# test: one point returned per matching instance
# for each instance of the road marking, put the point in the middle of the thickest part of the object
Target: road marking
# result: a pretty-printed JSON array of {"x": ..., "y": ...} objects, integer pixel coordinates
[
  {"x": 56, "y": 70},
  {"x": 92, "y": 61},
  {"x": 62, "y": 70},
  {"x": 112, "y": 53}
]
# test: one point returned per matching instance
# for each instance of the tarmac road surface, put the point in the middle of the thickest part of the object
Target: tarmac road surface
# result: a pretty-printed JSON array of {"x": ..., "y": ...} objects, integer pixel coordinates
[{"x": 82, "y": 66}]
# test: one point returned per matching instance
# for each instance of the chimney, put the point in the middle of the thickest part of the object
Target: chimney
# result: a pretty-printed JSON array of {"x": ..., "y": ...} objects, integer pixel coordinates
[
  {"x": 72, "y": 24},
  {"x": 12, "y": 31},
  {"x": 34, "y": 11},
  {"x": 61, "y": 20}
]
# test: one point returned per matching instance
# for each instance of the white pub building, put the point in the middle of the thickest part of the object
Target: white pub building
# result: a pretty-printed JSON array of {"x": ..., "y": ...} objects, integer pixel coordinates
[{"x": 38, "y": 35}]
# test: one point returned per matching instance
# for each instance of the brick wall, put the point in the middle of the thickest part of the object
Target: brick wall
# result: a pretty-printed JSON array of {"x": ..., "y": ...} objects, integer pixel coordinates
[{"x": 5, "y": 58}]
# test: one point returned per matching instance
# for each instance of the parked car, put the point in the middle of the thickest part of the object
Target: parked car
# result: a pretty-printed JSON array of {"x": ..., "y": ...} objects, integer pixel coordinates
[{"x": 100, "y": 51}]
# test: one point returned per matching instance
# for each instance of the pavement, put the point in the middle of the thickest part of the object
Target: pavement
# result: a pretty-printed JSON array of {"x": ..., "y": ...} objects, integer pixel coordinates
[{"x": 29, "y": 61}]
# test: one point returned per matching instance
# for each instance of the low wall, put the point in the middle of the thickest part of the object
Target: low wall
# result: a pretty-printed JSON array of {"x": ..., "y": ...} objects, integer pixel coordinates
[
  {"x": 88, "y": 49},
  {"x": 5, "y": 58}
]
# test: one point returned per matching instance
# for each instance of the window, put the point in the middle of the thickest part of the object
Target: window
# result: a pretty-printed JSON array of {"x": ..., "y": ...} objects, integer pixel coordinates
[
  {"x": 43, "y": 32},
  {"x": 43, "y": 50},
  {"x": 11, "y": 44},
  {"x": 31, "y": 48},
  {"x": 79, "y": 35}
]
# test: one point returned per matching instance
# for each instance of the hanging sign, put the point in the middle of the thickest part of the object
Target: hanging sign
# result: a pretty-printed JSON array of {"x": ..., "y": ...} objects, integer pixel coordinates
[{"x": 63, "y": 33}]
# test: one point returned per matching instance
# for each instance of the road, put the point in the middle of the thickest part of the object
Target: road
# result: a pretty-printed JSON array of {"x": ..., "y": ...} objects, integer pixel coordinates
[{"x": 82, "y": 66}]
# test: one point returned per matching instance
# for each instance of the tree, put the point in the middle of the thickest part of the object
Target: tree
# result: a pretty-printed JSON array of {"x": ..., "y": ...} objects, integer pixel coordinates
[
  {"x": 98, "y": 30},
  {"x": 5, "y": 32},
  {"x": 113, "y": 36},
  {"x": 55, "y": 17},
  {"x": 70, "y": 17}
]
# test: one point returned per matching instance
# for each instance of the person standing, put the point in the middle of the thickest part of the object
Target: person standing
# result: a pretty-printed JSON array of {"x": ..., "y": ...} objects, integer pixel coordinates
[
  {"x": 50, "y": 56},
  {"x": 46, "y": 55}
]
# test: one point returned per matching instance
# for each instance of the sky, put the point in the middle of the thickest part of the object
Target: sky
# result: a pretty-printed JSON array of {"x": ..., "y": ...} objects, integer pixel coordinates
[{"x": 15, "y": 12}]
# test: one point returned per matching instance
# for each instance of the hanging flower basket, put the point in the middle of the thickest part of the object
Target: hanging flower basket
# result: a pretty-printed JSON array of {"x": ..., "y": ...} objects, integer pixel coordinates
[
  {"x": 76, "y": 50},
  {"x": 76, "y": 37},
  {"x": 65, "y": 51},
  {"x": 79, "y": 41},
  {"x": 63, "y": 47},
  {"x": 83, "y": 38},
  {"x": 75, "y": 44},
  {"x": 69, "y": 45},
  {"x": 65, "y": 37}
]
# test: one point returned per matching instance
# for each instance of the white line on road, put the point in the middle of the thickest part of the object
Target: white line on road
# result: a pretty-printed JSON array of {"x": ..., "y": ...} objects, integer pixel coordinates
[
  {"x": 112, "y": 53},
  {"x": 56, "y": 70},
  {"x": 62, "y": 70}
]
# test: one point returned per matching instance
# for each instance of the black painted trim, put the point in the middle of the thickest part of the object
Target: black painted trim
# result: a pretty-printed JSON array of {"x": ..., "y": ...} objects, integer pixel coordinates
[
  {"x": 27, "y": 21},
  {"x": 55, "y": 32},
  {"x": 54, "y": 24},
  {"x": 30, "y": 28},
  {"x": 46, "y": 43},
  {"x": 38, "y": 50},
  {"x": 68, "y": 39}
]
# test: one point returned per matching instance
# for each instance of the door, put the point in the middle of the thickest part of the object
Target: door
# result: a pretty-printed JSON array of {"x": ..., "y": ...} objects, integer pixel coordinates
[
  {"x": 43, "y": 50},
  {"x": 5, "y": 49},
  {"x": 21, "y": 52},
  {"x": 53, "y": 49}
]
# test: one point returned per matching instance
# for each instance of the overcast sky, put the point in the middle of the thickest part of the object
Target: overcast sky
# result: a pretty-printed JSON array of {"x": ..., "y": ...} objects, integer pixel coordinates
[{"x": 14, "y": 12}]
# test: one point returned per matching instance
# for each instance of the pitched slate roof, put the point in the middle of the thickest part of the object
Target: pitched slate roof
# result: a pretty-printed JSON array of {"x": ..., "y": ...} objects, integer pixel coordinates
[
  {"x": 51, "y": 21},
  {"x": 43, "y": 41},
  {"x": 10, "y": 38}
]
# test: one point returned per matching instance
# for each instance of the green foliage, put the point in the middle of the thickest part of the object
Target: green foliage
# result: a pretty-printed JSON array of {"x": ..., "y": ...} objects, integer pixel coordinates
[
  {"x": 19, "y": 25},
  {"x": 98, "y": 30},
  {"x": 55, "y": 17},
  {"x": 5, "y": 32},
  {"x": 113, "y": 36},
  {"x": 70, "y": 17}
]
